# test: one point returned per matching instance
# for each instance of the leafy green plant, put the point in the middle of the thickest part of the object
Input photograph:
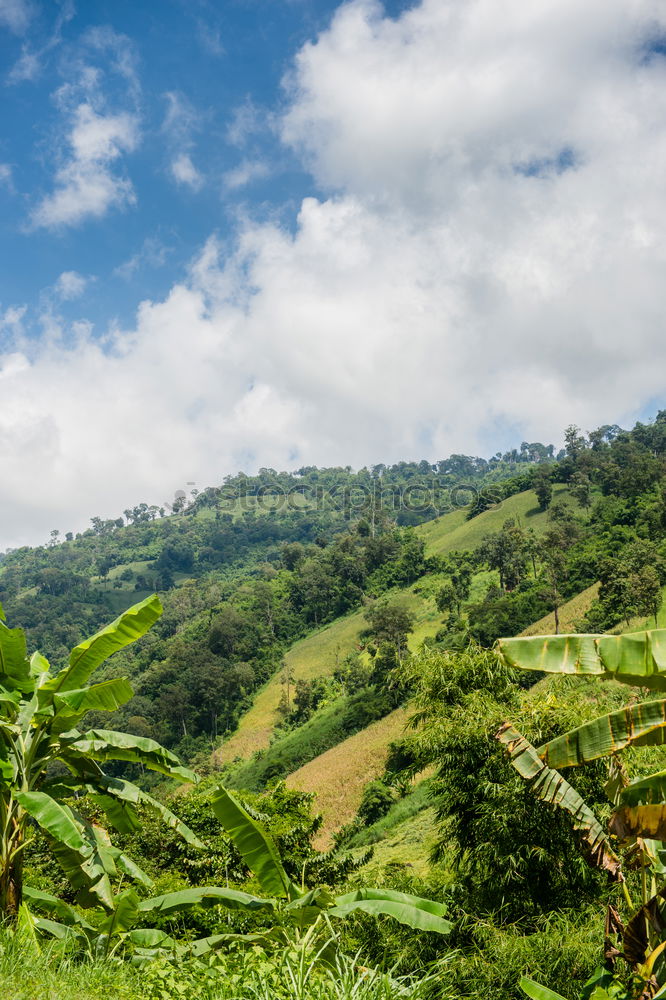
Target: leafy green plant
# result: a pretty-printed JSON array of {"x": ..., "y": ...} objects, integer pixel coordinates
[
  {"x": 298, "y": 916},
  {"x": 39, "y": 713},
  {"x": 638, "y": 819},
  {"x": 308, "y": 910}
]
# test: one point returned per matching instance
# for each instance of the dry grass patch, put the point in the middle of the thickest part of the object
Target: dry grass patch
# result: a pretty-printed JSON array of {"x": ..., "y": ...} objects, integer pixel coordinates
[
  {"x": 339, "y": 776},
  {"x": 570, "y": 613}
]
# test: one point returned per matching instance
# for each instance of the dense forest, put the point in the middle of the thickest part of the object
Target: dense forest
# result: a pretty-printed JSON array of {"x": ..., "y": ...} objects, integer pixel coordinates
[{"x": 512, "y": 887}]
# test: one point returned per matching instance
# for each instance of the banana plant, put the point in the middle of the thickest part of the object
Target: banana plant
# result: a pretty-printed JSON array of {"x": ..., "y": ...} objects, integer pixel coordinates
[
  {"x": 39, "y": 715},
  {"x": 117, "y": 934},
  {"x": 292, "y": 911},
  {"x": 638, "y": 819},
  {"x": 308, "y": 909}
]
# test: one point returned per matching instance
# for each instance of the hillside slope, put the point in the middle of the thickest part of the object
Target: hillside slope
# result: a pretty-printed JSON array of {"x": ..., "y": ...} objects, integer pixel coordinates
[
  {"x": 319, "y": 653},
  {"x": 339, "y": 776}
]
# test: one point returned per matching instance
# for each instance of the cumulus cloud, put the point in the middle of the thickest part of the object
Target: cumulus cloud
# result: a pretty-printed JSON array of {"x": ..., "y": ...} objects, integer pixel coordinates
[
  {"x": 485, "y": 265},
  {"x": 87, "y": 184}
]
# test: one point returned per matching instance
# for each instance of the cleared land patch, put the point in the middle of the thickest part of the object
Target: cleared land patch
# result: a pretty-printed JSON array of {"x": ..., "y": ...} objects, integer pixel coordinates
[{"x": 339, "y": 776}]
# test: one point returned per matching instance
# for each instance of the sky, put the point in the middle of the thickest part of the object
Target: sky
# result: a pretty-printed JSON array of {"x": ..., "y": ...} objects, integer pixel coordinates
[{"x": 291, "y": 232}]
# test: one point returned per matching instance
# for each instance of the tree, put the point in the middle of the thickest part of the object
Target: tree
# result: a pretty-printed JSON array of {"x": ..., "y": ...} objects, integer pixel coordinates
[
  {"x": 543, "y": 487},
  {"x": 645, "y": 588},
  {"x": 506, "y": 552},
  {"x": 391, "y": 624},
  {"x": 555, "y": 544},
  {"x": 581, "y": 489},
  {"x": 39, "y": 713}
]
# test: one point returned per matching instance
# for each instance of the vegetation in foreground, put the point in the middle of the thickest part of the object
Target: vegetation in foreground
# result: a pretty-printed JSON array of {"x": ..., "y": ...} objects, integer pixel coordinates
[{"x": 524, "y": 903}]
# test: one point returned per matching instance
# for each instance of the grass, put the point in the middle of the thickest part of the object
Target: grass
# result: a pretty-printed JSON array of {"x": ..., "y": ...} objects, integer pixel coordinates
[
  {"x": 453, "y": 532},
  {"x": 329, "y": 726},
  {"x": 354, "y": 762},
  {"x": 407, "y": 845},
  {"x": 417, "y": 799},
  {"x": 570, "y": 613},
  {"x": 26, "y": 973}
]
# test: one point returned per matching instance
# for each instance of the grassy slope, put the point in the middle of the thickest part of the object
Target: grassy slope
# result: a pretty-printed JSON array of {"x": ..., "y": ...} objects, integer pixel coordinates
[
  {"x": 408, "y": 843},
  {"x": 318, "y": 654},
  {"x": 339, "y": 776},
  {"x": 452, "y": 532},
  {"x": 570, "y": 613}
]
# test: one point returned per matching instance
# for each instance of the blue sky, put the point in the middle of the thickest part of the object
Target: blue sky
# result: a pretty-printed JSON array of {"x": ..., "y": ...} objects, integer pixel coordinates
[
  {"x": 202, "y": 80},
  {"x": 303, "y": 232}
]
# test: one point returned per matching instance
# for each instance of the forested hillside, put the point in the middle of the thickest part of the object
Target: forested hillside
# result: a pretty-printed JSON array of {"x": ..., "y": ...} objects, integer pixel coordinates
[
  {"x": 337, "y": 659},
  {"x": 244, "y": 570}
]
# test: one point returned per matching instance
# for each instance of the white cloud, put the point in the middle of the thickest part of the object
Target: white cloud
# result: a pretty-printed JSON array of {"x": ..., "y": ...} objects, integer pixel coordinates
[
  {"x": 152, "y": 253},
  {"x": 487, "y": 267},
  {"x": 30, "y": 63},
  {"x": 26, "y": 68},
  {"x": 6, "y": 178},
  {"x": 180, "y": 122},
  {"x": 86, "y": 186},
  {"x": 245, "y": 173},
  {"x": 184, "y": 172},
  {"x": 70, "y": 285},
  {"x": 16, "y": 14}
]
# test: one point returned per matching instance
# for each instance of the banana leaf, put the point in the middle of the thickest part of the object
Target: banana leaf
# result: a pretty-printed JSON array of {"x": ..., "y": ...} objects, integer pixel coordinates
[
  {"x": 648, "y": 822},
  {"x": 105, "y": 697},
  {"x": 74, "y": 844},
  {"x": 638, "y": 658},
  {"x": 44, "y": 901},
  {"x": 254, "y": 845},
  {"x": 150, "y": 937},
  {"x": 204, "y": 946},
  {"x": 62, "y": 932},
  {"x": 635, "y": 939},
  {"x": 635, "y": 725},
  {"x": 105, "y": 744},
  {"x": 130, "y": 868},
  {"x": 14, "y": 663},
  {"x": 232, "y": 899},
  {"x": 645, "y": 791},
  {"x": 124, "y": 916},
  {"x": 88, "y": 655},
  {"x": 309, "y": 907},
  {"x": 551, "y": 787},
  {"x": 536, "y": 991},
  {"x": 116, "y": 792},
  {"x": 429, "y": 905},
  {"x": 420, "y": 914},
  {"x": 39, "y": 665}
]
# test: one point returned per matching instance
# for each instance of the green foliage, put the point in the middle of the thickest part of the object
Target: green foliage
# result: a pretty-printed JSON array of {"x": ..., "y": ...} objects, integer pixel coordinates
[
  {"x": 330, "y": 726},
  {"x": 638, "y": 819},
  {"x": 378, "y": 797},
  {"x": 39, "y": 713},
  {"x": 506, "y": 859}
]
